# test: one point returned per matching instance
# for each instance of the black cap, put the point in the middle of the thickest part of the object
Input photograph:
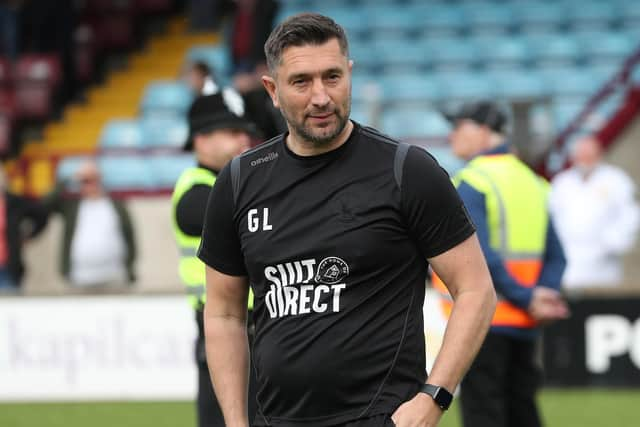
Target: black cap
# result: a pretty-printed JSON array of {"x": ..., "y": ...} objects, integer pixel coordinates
[
  {"x": 221, "y": 110},
  {"x": 483, "y": 113}
]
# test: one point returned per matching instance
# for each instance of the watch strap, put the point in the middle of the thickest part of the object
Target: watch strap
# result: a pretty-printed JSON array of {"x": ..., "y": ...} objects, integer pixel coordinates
[{"x": 440, "y": 395}]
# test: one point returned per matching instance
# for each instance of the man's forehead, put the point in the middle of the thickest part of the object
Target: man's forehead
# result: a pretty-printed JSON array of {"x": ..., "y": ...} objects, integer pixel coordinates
[{"x": 313, "y": 56}]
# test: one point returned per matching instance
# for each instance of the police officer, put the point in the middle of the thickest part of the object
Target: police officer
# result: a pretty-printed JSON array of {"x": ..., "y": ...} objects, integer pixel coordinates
[
  {"x": 508, "y": 205},
  {"x": 218, "y": 131}
]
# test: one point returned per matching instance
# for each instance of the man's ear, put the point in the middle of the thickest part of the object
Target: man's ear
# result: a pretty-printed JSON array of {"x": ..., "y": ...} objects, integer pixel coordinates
[{"x": 269, "y": 84}]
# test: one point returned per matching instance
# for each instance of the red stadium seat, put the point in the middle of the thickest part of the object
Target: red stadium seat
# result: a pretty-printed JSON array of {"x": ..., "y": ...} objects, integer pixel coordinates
[
  {"x": 98, "y": 7},
  {"x": 38, "y": 68},
  {"x": 7, "y": 103},
  {"x": 85, "y": 52},
  {"x": 5, "y": 72},
  {"x": 152, "y": 6},
  {"x": 5, "y": 134},
  {"x": 33, "y": 100},
  {"x": 114, "y": 30}
]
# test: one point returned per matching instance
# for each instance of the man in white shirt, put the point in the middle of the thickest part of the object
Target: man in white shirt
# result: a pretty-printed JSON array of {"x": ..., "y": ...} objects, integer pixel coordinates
[
  {"x": 98, "y": 246},
  {"x": 596, "y": 216}
]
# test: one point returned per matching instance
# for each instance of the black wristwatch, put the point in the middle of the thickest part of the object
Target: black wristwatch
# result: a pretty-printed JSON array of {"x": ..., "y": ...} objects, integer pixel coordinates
[{"x": 440, "y": 395}]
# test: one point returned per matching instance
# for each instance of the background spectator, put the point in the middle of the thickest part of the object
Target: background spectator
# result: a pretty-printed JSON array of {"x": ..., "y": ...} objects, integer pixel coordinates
[
  {"x": 20, "y": 219},
  {"x": 98, "y": 246},
  {"x": 596, "y": 216}
]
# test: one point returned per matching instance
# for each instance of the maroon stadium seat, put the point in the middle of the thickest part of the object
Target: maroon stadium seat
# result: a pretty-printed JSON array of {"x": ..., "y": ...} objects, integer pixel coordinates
[
  {"x": 7, "y": 115},
  {"x": 33, "y": 100},
  {"x": 5, "y": 134},
  {"x": 114, "y": 30},
  {"x": 85, "y": 52},
  {"x": 36, "y": 77},
  {"x": 38, "y": 68},
  {"x": 98, "y": 7},
  {"x": 152, "y": 6},
  {"x": 5, "y": 72}
]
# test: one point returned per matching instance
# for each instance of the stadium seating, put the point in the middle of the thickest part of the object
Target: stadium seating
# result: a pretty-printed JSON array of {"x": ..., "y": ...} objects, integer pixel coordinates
[
  {"x": 217, "y": 58},
  {"x": 488, "y": 18},
  {"x": 166, "y": 98},
  {"x": 5, "y": 73},
  {"x": 126, "y": 173},
  {"x": 118, "y": 134},
  {"x": 407, "y": 123},
  {"x": 36, "y": 77},
  {"x": 165, "y": 133},
  {"x": 538, "y": 16},
  {"x": 411, "y": 58},
  {"x": 553, "y": 49},
  {"x": 166, "y": 169}
]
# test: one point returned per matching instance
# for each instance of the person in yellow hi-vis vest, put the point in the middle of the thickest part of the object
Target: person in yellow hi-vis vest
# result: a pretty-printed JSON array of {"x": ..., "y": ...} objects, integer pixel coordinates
[
  {"x": 507, "y": 202},
  {"x": 218, "y": 131}
]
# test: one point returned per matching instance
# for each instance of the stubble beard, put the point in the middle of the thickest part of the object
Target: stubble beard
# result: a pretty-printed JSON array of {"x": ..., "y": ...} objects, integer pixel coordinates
[{"x": 306, "y": 134}]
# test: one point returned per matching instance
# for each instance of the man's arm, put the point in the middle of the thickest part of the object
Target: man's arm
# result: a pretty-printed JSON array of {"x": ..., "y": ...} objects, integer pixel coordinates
[
  {"x": 554, "y": 261},
  {"x": 225, "y": 325},
  {"x": 505, "y": 284},
  {"x": 464, "y": 270}
]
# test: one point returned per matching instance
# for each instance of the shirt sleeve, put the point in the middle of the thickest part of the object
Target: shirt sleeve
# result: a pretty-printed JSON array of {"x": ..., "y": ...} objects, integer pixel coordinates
[
  {"x": 554, "y": 260},
  {"x": 220, "y": 246},
  {"x": 431, "y": 205},
  {"x": 191, "y": 208},
  {"x": 505, "y": 284}
]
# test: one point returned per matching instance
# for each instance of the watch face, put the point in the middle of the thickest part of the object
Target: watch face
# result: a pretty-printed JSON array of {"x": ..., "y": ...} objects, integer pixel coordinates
[
  {"x": 443, "y": 398},
  {"x": 440, "y": 395}
]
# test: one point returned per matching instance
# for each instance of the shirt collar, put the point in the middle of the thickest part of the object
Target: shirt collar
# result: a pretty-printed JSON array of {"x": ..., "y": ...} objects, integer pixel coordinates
[{"x": 504, "y": 148}]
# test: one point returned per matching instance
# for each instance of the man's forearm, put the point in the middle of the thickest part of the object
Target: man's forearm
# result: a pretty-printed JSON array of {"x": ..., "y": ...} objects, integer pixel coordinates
[
  {"x": 466, "y": 330},
  {"x": 228, "y": 360}
]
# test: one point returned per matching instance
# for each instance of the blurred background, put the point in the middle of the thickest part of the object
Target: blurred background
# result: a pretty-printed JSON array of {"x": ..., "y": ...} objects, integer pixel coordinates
[{"x": 112, "y": 80}]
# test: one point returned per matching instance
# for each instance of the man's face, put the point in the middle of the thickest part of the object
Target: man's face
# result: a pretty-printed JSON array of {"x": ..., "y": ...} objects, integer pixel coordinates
[
  {"x": 88, "y": 176},
  {"x": 587, "y": 154},
  {"x": 468, "y": 139},
  {"x": 312, "y": 89}
]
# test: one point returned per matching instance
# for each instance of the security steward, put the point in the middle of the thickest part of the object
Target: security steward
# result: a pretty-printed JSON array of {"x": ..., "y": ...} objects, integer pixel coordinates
[
  {"x": 507, "y": 202},
  {"x": 218, "y": 131}
]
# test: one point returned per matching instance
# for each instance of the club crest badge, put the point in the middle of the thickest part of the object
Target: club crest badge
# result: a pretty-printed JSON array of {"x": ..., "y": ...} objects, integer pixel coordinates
[{"x": 331, "y": 270}]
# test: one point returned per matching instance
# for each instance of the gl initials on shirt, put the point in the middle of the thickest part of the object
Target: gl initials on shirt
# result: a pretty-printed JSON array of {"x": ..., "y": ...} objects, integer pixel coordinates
[{"x": 255, "y": 223}]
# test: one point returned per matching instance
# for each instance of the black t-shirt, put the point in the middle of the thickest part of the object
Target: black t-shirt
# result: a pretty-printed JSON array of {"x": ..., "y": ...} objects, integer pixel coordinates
[{"x": 336, "y": 255}]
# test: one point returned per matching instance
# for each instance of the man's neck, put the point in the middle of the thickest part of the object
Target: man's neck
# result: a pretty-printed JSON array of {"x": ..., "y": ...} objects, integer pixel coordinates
[{"x": 306, "y": 148}]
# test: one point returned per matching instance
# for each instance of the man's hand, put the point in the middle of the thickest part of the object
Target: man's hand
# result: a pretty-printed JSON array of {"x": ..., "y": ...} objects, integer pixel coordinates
[
  {"x": 547, "y": 305},
  {"x": 421, "y": 411}
]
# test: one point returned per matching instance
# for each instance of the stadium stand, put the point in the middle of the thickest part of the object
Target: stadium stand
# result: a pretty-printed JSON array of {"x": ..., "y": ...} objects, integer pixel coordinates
[{"x": 412, "y": 59}]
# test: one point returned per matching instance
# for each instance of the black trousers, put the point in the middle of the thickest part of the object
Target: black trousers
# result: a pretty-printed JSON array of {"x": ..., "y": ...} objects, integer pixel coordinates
[
  {"x": 209, "y": 412},
  {"x": 500, "y": 388}
]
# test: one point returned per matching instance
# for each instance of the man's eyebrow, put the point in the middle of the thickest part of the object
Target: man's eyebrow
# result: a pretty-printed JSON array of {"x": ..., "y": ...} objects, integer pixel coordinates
[
  {"x": 304, "y": 75},
  {"x": 334, "y": 70},
  {"x": 297, "y": 76}
]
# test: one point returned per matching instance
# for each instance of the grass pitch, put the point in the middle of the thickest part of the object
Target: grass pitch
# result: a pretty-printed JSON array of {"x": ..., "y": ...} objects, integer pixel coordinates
[{"x": 565, "y": 408}]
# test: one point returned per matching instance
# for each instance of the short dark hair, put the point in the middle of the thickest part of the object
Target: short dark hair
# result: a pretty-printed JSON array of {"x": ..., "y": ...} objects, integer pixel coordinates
[
  {"x": 202, "y": 68},
  {"x": 300, "y": 30}
]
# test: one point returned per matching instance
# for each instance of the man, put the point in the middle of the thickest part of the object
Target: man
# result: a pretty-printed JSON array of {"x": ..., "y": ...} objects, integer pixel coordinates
[
  {"x": 596, "y": 215},
  {"x": 20, "y": 220},
  {"x": 217, "y": 132},
  {"x": 197, "y": 75},
  {"x": 508, "y": 205},
  {"x": 332, "y": 225},
  {"x": 98, "y": 245}
]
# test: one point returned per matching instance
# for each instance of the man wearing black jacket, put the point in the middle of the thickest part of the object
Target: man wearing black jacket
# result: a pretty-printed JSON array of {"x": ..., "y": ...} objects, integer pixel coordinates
[{"x": 20, "y": 219}]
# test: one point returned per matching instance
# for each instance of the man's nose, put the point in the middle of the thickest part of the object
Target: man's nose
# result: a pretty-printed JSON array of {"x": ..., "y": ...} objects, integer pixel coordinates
[{"x": 319, "y": 95}]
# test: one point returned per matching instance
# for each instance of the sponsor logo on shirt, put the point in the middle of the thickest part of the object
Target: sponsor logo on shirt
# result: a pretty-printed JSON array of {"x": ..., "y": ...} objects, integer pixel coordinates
[
  {"x": 305, "y": 286},
  {"x": 260, "y": 160}
]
